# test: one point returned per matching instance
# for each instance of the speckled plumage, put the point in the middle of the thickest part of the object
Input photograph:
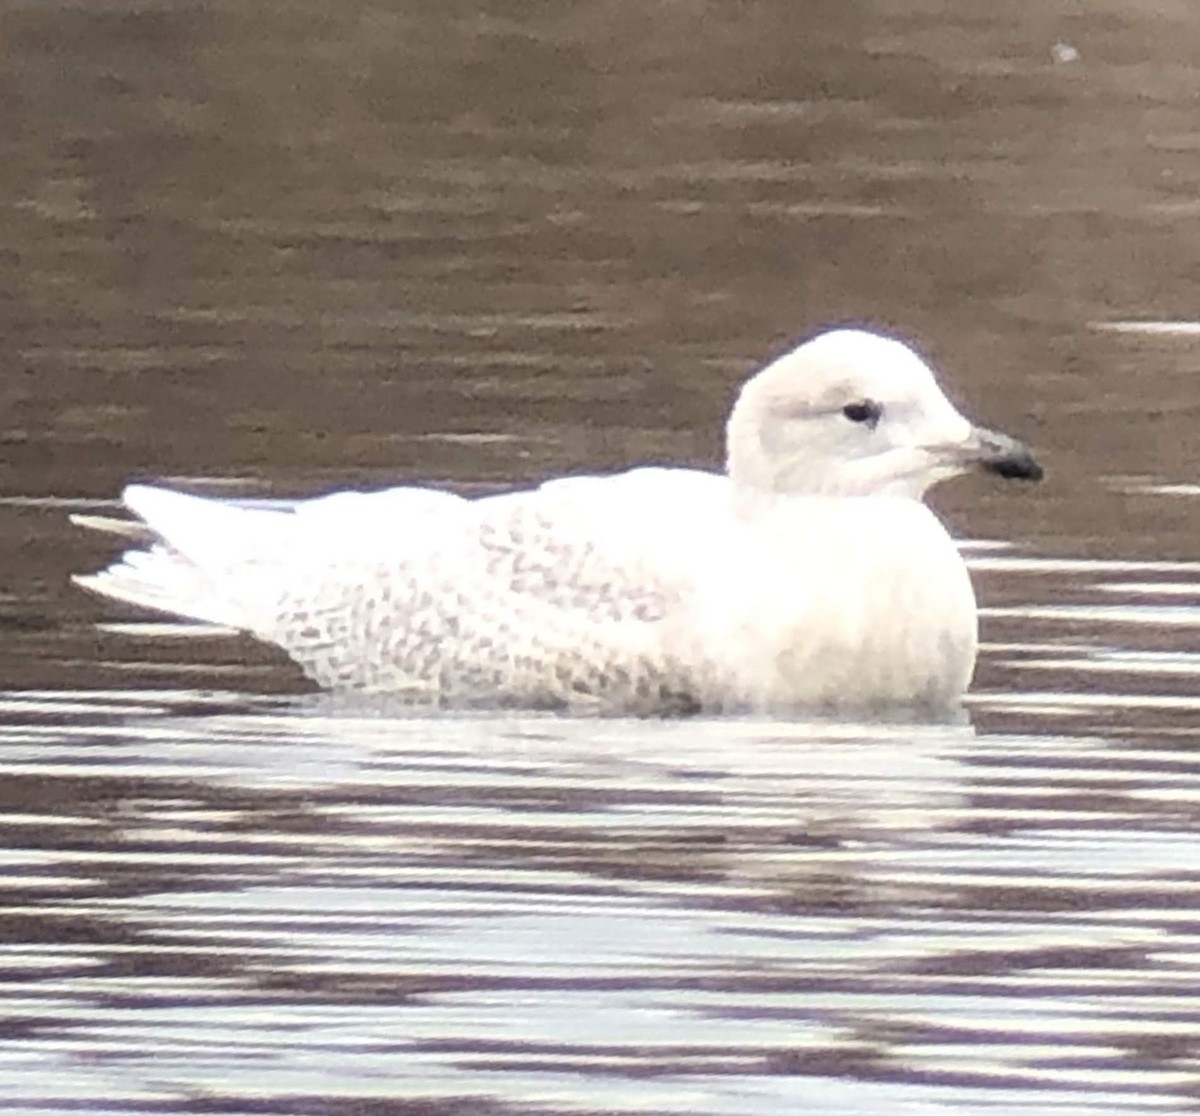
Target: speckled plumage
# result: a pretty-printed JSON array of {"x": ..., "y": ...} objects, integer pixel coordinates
[{"x": 810, "y": 577}]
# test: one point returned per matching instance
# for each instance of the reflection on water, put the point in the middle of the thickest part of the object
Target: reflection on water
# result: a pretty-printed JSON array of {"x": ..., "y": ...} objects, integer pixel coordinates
[
  {"x": 295, "y": 248},
  {"x": 209, "y": 898}
]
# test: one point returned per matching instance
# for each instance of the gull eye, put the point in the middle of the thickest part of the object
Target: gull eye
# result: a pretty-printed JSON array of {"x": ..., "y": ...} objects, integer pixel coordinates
[{"x": 865, "y": 411}]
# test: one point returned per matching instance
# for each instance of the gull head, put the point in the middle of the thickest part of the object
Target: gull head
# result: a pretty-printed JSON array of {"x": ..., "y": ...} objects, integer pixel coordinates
[{"x": 853, "y": 413}]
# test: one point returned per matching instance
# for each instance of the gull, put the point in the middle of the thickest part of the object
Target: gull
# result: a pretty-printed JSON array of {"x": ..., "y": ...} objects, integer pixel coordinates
[{"x": 809, "y": 577}]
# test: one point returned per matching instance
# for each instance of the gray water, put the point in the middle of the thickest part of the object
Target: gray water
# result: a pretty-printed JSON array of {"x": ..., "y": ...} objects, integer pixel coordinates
[{"x": 279, "y": 251}]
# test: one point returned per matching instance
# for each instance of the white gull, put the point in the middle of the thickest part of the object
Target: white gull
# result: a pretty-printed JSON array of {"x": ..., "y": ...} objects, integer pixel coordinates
[{"x": 808, "y": 577}]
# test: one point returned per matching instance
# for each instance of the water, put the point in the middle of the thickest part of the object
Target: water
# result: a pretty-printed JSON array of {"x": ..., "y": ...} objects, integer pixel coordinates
[
  {"x": 479, "y": 244},
  {"x": 265, "y": 906}
]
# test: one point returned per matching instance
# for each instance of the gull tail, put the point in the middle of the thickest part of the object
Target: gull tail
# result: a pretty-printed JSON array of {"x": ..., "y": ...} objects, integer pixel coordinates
[{"x": 197, "y": 558}]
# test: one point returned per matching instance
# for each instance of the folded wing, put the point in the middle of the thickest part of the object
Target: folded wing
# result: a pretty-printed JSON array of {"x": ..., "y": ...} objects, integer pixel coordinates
[{"x": 558, "y": 594}]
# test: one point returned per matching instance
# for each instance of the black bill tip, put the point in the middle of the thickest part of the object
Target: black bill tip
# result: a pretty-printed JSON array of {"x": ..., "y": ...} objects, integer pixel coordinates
[{"x": 1008, "y": 458}]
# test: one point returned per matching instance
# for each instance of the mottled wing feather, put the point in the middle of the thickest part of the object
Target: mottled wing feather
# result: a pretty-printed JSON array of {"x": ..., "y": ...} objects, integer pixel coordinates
[
  {"x": 560, "y": 595},
  {"x": 538, "y": 598}
]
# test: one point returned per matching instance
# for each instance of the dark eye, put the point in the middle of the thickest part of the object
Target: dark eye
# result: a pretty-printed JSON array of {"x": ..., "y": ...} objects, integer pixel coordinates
[{"x": 865, "y": 410}]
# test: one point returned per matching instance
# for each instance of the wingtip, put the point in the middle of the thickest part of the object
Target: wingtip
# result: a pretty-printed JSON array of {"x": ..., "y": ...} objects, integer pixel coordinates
[
  {"x": 87, "y": 582},
  {"x": 129, "y": 529}
]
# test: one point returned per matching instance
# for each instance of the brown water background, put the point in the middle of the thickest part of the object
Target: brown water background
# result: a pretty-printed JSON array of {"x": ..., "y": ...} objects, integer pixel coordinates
[{"x": 283, "y": 249}]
